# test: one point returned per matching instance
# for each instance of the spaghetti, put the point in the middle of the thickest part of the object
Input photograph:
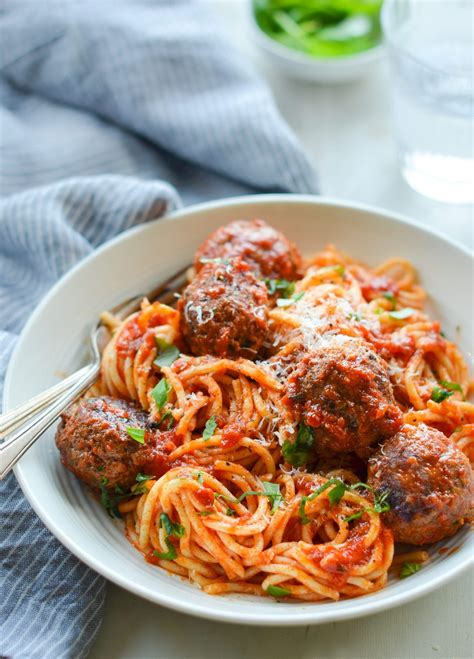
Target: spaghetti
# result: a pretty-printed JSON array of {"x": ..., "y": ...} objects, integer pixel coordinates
[{"x": 229, "y": 512}]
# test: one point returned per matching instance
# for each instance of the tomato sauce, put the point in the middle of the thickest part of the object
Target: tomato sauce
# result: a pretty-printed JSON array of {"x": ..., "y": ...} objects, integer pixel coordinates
[
  {"x": 205, "y": 496},
  {"x": 232, "y": 434}
]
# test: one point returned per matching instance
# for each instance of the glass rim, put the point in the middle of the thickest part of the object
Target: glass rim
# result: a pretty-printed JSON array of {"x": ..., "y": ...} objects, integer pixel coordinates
[{"x": 389, "y": 40}]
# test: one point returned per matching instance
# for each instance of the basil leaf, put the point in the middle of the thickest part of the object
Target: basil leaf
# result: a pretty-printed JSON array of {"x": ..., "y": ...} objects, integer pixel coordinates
[
  {"x": 287, "y": 302},
  {"x": 452, "y": 386},
  {"x": 140, "y": 487},
  {"x": 170, "y": 527},
  {"x": 141, "y": 478},
  {"x": 287, "y": 288},
  {"x": 297, "y": 453},
  {"x": 438, "y": 394},
  {"x": 381, "y": 504},
  {"x": 272, "y": 491},
  {"x": 356, "y": 515},
  {"x": 332, "y": 269},
  {"x": 105, "y": 499},
  {"x": 316, "y": 493},
  {"x": 401, "y": 314},
  {"x": 408, "y": 569},
  {"x": 363, "y": 485},
  {"x": 161, "y": 392},
  {"x": 110, "y": 501},
  {"x": 170, "y": 555},
  {"x": 200, "y": 478},
  {"x": 209, "y": 428},
  {"x": 388, "y": 295},
  {"x": 337, "y": 492},
  {"x": 138, "y": 434},
  {"x": 167, "y": 417},
  {"x": 167, "y": 352},
  {"x": 277, "y": 591}
]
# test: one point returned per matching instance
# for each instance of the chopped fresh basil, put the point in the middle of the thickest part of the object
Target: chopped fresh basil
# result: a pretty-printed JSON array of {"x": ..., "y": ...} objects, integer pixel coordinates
[
  {"x": 332, "y": 269},
  {"x": 138, "y": 434},
  {"x": 301, "y": 509},
  {"x": 287, "y": 302},
  {"x": 297, "y": 453},
  {"x": 170, "y": 527},
  {"x": 200, "y": 478},
  {"x": 167, "y": 353},
  {"x": 363, "y": 485},
  {"x": 408, "y": 569},
  {"x": 161, "y": 392},
  {"x": 170, "y": 555},
  {"x": 381, "y": 504},
  {"x": 438, "y": 394},
  {"x": 140, "y": 478},
  {"x": 140, "y": 487},
  {"x": 354, "y": 316},
  {"x": 452, "y": 386},
  {"x": 209, "y": 428},
  {"x": 109, "y": 500},
  {"x": 401, "y": 314},
  {"x": 230, "y": 512},
  {"x": 283, "y": 286},
  {"x": 356, "y": 515},
  {"x": 168, "y": 419},
  {"x": 322, "y": 29},
  {"x": 270, "y": 490},
  {"x": 277, "y": 591},
  {"x": 337, "y": 492},
  {"x": 388, "y": 295}
]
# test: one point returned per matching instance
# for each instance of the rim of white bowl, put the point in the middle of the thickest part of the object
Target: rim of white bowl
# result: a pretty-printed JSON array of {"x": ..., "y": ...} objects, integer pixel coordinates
[
  {"x": 315, "y": 615},
  {"x": 276, "y": 48}
]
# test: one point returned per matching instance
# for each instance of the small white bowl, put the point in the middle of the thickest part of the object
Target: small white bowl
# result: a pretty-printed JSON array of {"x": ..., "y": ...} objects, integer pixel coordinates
[{"x": 308, "y": 67}]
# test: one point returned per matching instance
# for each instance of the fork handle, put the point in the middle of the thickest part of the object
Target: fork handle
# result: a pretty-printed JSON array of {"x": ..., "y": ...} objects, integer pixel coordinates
[
  {"x": 19, "y": 441},
  {"x": 13, "y": 418}
]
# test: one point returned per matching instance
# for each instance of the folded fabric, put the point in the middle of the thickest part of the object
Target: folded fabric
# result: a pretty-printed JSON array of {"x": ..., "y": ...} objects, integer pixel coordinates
[{"x": 108, "y": 110}]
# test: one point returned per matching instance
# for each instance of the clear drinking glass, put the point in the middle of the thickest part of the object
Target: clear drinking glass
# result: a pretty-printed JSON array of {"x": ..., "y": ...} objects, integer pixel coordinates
[{"x": 430, "y": 46}]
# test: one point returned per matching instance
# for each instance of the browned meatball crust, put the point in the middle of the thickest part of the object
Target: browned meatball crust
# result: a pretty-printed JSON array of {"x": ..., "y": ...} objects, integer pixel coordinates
[
  {"x": 429, "y": 481},
  {"x": 94, "y": 444},
  {"x": 224, "y": 311},
  {"x": 268, "y": 252},
  {"x": 342, "y": 390}
]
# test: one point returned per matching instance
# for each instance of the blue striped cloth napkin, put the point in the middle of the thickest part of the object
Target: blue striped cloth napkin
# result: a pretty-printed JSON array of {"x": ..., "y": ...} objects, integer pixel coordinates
[{"x": 111, "y": 113}]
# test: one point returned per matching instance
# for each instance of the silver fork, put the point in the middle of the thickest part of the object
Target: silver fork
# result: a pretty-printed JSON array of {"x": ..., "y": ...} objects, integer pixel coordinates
[{"x": 22, "y": 426}]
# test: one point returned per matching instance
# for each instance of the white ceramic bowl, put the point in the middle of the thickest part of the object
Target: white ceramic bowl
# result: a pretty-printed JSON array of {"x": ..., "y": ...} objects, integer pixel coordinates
[
  {"x": 314, "y": 69},
  {"x": 54, "y": 340}
]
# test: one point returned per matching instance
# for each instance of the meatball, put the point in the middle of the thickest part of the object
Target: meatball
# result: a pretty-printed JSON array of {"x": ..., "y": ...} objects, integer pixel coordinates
[
  {"x": 268, "y": 252},
  {"x": 429, "y": 481},
  {"x": 224, "y": 311},
  {"x": 94, "y": 444},
  {"x": 342, "y": 390}
]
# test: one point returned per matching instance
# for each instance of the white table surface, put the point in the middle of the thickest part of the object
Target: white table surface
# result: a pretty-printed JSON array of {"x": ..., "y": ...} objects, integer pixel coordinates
[{"x": 347, "y": 132}]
